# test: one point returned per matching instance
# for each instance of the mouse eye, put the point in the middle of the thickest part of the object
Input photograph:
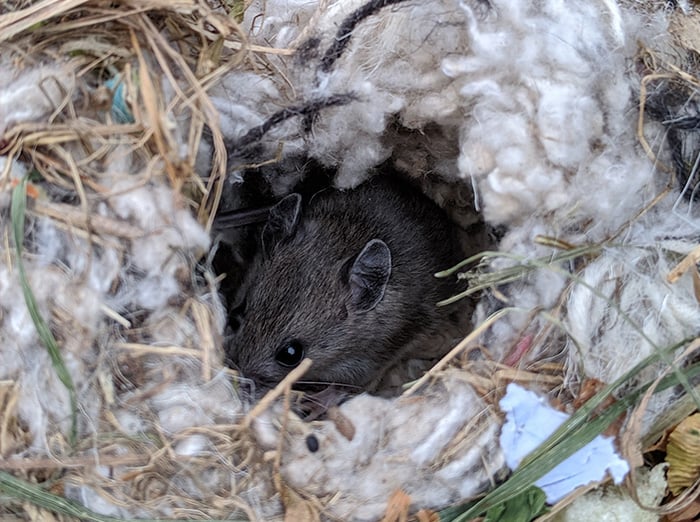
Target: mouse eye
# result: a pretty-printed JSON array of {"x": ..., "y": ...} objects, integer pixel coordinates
[{"x": 290, "y": 354}]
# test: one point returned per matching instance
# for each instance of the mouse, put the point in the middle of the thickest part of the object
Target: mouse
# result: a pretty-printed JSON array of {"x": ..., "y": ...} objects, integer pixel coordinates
[{"x": 346, "y": 279}]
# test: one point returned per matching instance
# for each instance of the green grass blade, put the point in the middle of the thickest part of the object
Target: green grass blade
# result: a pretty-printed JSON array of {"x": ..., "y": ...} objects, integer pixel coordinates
[
  {"x": 27, "y": 492},
  {"x": 19, "y": 201}
]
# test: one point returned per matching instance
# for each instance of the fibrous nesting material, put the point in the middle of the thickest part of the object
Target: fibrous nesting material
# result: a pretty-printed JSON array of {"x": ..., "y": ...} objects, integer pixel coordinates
[
  {"x": 628, "y": 301},
  {"x": 529, "y": 109},
  {"x": 111, "y": 247},
  {"x": 453, "y": 447},
  {"x": 85, "y": 281}
]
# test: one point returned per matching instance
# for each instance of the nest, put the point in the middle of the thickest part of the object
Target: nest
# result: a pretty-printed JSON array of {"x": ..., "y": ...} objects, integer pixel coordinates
[{"x": 122, "y": 126}]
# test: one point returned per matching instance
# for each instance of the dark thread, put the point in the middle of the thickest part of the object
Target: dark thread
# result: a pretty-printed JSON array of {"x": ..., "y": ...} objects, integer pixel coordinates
[
  {"x": 342, "y": 36},
  {"x": 308, "y": 50},
  {"x": 308, "y": 110}
]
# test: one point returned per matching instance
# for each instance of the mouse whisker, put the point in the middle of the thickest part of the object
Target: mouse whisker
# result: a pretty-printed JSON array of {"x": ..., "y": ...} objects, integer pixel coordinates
[{"x": 331, "y": 384}]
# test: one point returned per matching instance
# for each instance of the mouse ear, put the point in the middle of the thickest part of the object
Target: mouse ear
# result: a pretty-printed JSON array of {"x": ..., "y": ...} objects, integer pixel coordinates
[
  {"x": 369, "y": 275},
  {"x": 281, "y": 222}
]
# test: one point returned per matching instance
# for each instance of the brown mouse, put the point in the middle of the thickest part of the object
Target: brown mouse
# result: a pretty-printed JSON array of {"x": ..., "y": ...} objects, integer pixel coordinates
[{"x": 347, "y": 280}]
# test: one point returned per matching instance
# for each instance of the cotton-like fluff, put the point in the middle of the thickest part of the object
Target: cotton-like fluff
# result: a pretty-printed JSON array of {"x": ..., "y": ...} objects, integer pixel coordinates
[
  {"x": 549, "y": 139},
  {"x": 390, "y": 69},
  {"x": 244, "y": 101},
  {"x": 377, "y": 446},
  {"x": 43, "y": 404},
  {"x": 146, "y": 377},
  {"x": 74, "y": 281},
  {"x": 33, "y": 92},
  {"x": 549, "y": 102},
  {"x": 187, "y": 415},
  {"x": 43, "y": 400},
  {"x": 141, "y": 262},
  {"x": 528, "y": 120},
  {"x": 632, "y": 310}
]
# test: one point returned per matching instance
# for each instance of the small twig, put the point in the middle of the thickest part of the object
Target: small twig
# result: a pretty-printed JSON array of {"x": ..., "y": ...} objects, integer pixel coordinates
[
  {"x": 112, "y": 314},
  {"x": 93, "y": 222},
  {"x": 145, "y": 349},
  {"x": 202, "y": 319},
  {"x": 14, "y": 23},
  {"x": 688, "y": 262},
  {"x": 73, "y": 462},
  {"x": 276, "y": 392},
  {"x": 456, "y": 350}
]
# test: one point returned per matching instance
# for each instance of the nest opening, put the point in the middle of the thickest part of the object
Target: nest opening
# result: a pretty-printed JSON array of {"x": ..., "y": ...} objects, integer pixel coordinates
[{"x": 245, "y": 209}]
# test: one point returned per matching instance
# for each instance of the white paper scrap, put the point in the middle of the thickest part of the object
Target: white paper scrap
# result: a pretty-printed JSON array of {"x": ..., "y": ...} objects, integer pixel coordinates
[{"x": 529, "y": 421}]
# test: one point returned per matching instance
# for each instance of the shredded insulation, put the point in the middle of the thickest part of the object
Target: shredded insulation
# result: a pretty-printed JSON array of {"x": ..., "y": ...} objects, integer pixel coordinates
[{"x": 528, "y": 115}]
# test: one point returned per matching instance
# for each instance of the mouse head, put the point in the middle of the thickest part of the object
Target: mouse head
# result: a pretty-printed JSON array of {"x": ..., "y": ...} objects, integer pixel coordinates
[{"x": 315, "y": 294}]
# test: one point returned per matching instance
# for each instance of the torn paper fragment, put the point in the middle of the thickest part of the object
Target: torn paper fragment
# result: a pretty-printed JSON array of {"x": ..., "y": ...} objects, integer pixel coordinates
[{"x": 529, "y": 421}]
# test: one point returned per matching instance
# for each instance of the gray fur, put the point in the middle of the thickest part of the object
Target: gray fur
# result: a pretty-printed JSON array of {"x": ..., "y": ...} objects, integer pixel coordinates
[{"x": 351, "y": 278}]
